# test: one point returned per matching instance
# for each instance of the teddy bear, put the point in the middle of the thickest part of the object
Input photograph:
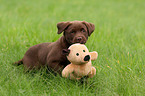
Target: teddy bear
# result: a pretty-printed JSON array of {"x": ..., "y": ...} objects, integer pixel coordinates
[{"x": 80, "y": 58}]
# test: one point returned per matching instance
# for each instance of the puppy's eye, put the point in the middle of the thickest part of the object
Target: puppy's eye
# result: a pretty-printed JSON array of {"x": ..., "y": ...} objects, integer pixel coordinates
[
  {"x": 83, "y": 30},
  {"x": 72, "y": 32},
  {"x": 77, "y": 54},
  {"x": 84, "y": 51}
]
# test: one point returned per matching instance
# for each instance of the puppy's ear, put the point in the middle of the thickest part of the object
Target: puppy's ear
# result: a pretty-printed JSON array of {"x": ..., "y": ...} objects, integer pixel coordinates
[
  {"x": 62, "y": 26},
  {"x": 65, "y": 51},
  {"x": 90, "y": 27}
]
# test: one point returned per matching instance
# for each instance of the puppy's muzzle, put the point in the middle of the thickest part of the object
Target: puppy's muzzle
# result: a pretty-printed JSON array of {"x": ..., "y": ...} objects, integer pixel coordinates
[
  {"x": 80, "y": 40},
  {"x": 87, "y": 58}
]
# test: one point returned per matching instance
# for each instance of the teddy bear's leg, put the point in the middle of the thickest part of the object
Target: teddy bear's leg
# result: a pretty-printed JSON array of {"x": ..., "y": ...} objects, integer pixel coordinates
[
  {"x": 92, "y": 73},
  {"x": 68, "y": 73},
  {"x": 73, "y": 77}
]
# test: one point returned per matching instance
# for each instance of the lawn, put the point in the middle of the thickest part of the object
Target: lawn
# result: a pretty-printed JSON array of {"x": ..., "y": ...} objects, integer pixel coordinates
[{"x": 119, "y": 39}]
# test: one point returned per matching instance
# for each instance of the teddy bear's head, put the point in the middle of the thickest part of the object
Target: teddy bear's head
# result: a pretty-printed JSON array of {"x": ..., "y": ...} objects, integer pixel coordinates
[{"x": 78, "y": 54}]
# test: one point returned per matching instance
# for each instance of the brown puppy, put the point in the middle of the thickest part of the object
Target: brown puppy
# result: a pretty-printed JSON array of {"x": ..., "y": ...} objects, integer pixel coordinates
[{"x": 50, "y": 54}]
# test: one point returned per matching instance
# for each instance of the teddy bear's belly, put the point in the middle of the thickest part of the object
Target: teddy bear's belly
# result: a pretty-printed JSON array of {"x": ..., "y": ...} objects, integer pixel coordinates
[{"x": 82, "y": 71}]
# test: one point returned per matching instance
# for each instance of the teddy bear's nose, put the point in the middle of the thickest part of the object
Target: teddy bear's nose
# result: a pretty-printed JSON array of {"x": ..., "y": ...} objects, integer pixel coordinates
[{"x": 87, "y": 58}]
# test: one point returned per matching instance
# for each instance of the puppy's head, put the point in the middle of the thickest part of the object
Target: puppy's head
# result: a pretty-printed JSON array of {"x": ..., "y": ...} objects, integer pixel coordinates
[{"x": 76, "y": 31}]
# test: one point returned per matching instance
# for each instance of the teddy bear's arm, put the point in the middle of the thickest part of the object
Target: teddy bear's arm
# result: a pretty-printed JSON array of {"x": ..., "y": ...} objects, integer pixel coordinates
[
  {"x": 92, "y": 73},
  {"x": 67, "y": 71},
  {"x": 94, "y": 55}
]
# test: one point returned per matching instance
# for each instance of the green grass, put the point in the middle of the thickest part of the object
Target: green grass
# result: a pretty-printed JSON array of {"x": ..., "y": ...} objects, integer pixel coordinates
[{"x": 119, "y": 38}]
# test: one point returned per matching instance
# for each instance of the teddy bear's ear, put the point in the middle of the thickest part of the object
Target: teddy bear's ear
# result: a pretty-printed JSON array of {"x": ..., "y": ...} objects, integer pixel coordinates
[
  {"x": 65, "y": 51},
  {"x": 94, "y": 55}
]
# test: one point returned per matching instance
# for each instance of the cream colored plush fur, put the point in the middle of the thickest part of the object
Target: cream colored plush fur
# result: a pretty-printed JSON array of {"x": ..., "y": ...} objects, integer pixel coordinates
[{"x": 79, "y": 67}]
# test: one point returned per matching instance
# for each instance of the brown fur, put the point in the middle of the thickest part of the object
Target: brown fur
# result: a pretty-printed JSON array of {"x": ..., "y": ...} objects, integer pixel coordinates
[{"x": 50, "y": 54}]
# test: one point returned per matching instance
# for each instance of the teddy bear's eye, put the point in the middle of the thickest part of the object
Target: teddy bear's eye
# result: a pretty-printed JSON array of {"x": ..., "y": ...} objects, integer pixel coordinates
[
  {"x": 77, "y": 54},
  {"x": 84, "y": 51}
]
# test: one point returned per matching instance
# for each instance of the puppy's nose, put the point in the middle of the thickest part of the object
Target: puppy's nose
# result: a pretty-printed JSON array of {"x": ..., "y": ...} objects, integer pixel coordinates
[
  {"x": 87, "y": 58},
  {"x": 79, "y": 38}
]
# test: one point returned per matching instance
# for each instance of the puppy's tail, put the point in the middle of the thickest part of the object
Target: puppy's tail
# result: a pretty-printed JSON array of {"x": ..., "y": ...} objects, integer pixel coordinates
[{"x": 18, "y": 62}]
